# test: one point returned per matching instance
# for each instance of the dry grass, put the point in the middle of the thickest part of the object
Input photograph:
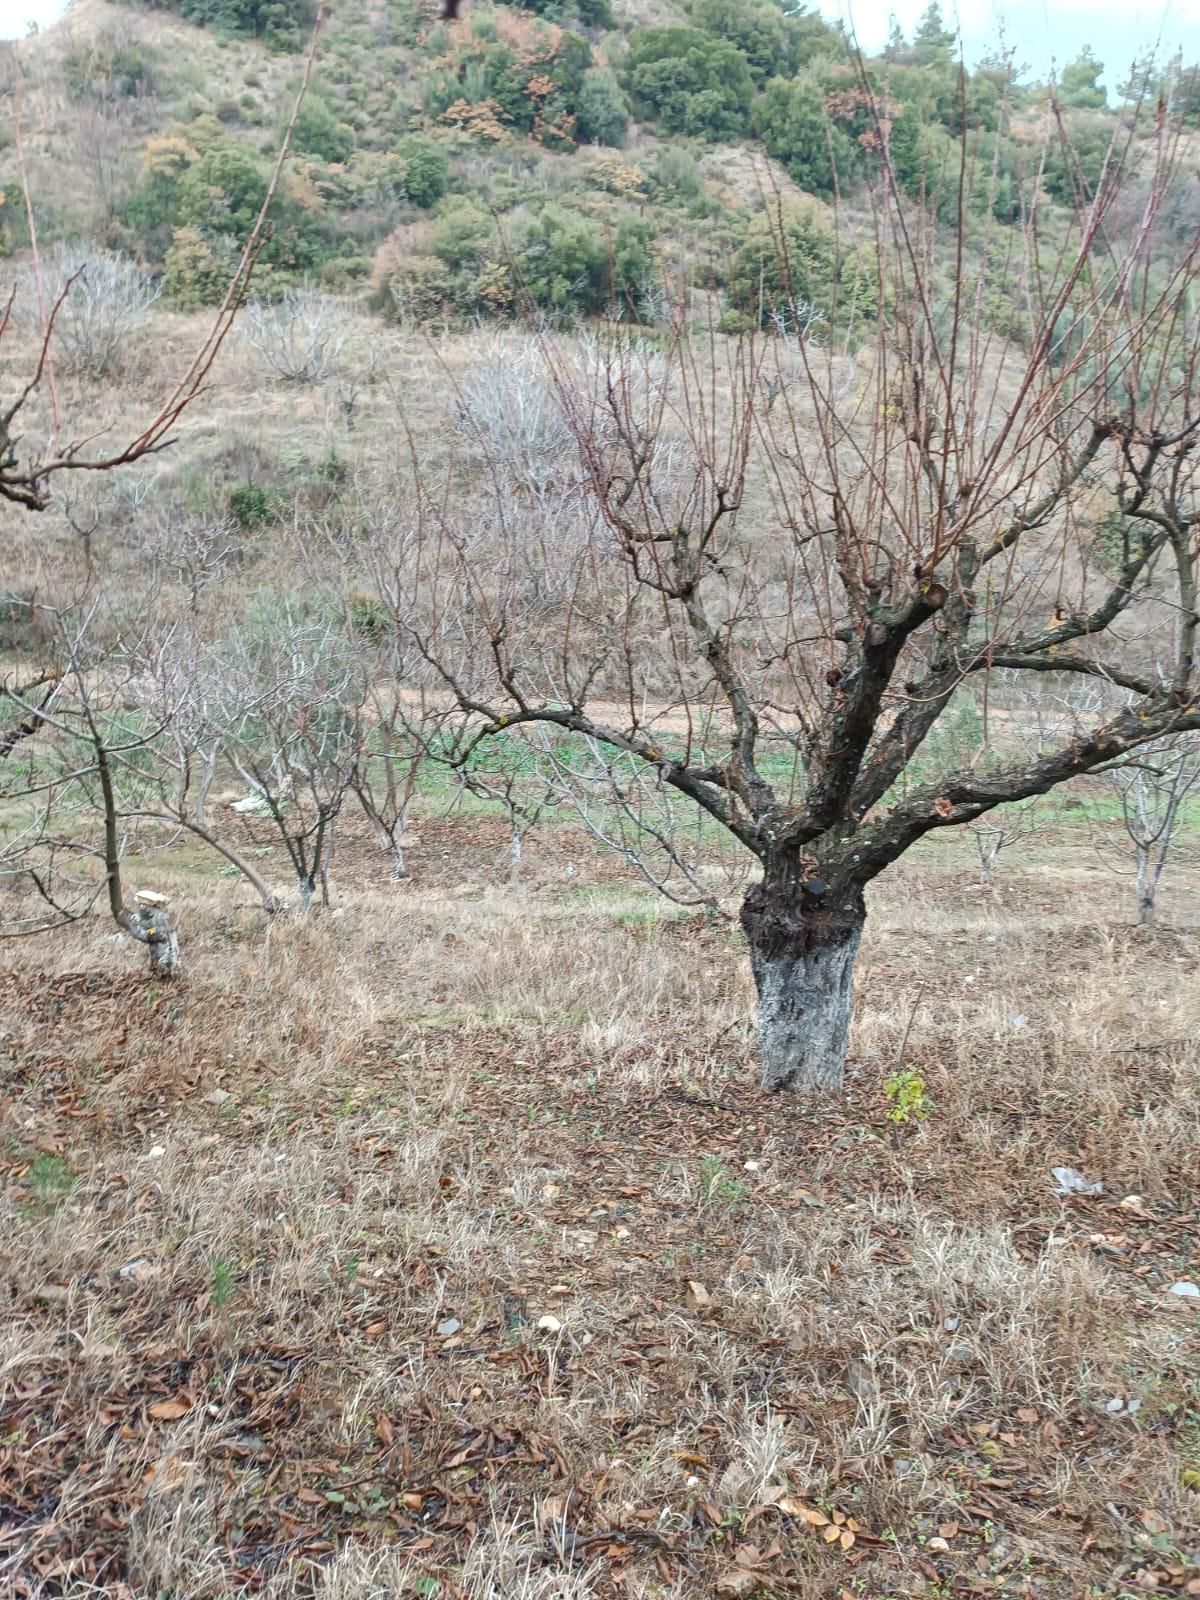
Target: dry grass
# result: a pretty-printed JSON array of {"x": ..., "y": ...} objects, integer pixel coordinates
[{"x": 282, "y": 1240}]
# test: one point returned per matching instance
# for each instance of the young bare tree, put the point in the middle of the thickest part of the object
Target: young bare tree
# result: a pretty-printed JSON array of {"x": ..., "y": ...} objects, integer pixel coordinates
[
  {"x": 509, "y": 775},
  {"x": 299, "y": 336},
  {"x": 1154, "y": 788},
  {"x": 998, "y": 830},
  {"x": 102, "y": 300},
  {"x": 806, "y": 587},
  {"x": 284, "y": 698},
  {"x": 64, "y": 829},
  {"x": 174, "y": 692}
]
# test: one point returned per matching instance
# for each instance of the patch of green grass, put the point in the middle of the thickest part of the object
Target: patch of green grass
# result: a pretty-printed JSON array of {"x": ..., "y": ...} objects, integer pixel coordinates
[
  {"x": 221, "y": 1282},
  {"x": 718, "y": 1186},
  {"x": 52, "y": 1181}
]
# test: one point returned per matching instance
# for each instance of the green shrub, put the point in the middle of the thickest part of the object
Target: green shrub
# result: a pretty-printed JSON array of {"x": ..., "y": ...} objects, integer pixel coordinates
[
  {"x": 685, "y": 81},
  {"x": 550, "y": 259},
  {"x": 14, "y": 228},
  {"x": 1079, "y": 84},
  {"x": 757, "y": 28},
  {"x": 792, "y": 270},
  {"x": 460, "y": 233},
  {"x": 197, "y": 271},
  {"x": 592, "y": 13},
  {"x": 1071, "y": 175},
  {"x": 368, "y": 616},
  {"x": 601, "y": 114},
  {"x": 249, "y": 506},
  {"x": 526, "y": 75},
  {"x": 792, "y": 121},
  {"x": 319, "y": 133},
  {"x": 281, "y": 24},
  {"x": 198, "y": 180},
  {"x": 426, "y": 170},
  {"x": 110, "y": 69},
  {"x": 567, "y": 263}
]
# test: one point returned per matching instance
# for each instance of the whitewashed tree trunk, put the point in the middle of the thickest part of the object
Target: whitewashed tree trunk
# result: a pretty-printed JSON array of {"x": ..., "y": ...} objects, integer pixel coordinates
[
  {"x": 515, "y": 846},
  {"x": 151, "y": 924},
  {"x": 1147, "y": 885},
  {"x": 803, "y": 966}
]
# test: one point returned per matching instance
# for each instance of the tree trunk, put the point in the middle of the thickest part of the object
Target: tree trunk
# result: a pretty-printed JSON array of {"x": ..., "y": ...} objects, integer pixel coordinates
[
  {"x": 514, "y": 856},
  {"x": 1147, "y": 885},
  {"x": 803, "y": 939},
  {"x": 154, "y": 927}
]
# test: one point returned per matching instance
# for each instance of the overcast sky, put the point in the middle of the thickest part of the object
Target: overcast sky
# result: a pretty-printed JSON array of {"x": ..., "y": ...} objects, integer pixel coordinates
[
  {"x": 1044, "y": 32},
  {"x": 16, "y": 15}
]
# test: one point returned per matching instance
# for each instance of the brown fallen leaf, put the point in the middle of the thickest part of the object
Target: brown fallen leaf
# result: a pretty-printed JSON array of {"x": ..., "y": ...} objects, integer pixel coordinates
[
  {"x": 737, "y": 1581},
  {"x": 846, "y": 1539},
  {"x": 806, "y": 1513},
  {"x": 169, "y": 1410}
]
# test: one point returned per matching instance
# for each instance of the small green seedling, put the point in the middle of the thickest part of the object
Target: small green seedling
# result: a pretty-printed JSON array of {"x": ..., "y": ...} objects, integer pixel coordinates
[
  {"x": 906, "y": 1098},
  {"x": 718, "y": 1184},
  {"x": 220, "y": 1283}
]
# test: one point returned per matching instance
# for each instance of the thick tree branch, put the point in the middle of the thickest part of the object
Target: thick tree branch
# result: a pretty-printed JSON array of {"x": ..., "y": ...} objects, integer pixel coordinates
[
  {"x": 858, "y": 694},
  {"x": 961, "y": 796}
]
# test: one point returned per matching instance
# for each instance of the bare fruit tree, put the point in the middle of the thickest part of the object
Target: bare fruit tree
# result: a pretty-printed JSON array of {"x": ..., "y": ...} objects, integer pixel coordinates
[
  {"x": 1155, "y": 788},
  {"x": 63, "y": 837},
  {"x": 775, "y": 606},
  {"x": 299, "y": 336},
  {"x": 998, "y": 830},
  {"x": 104, "y": 300},
  {"x": 284, "y": 701}
]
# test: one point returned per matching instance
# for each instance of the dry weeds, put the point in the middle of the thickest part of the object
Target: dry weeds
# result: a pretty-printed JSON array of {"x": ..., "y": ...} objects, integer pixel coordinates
[{"x": 442, "y": 1245}]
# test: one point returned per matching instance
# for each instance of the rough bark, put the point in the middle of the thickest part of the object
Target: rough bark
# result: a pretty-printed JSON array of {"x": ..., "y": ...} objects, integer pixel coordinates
[
  {"x": 149, "y": 923},
  {"x": 803, "y": 939}
]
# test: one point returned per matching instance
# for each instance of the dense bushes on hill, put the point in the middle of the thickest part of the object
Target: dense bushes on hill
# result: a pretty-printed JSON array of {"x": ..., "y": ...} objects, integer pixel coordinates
[
  {"x": 790, "y": 118},
  {"x": 792, "y": 272},
  {"x": 773, "y": 41},
  {"x": 549, "y": 258},
  {"x": 493, "y": 109},
  {"x": 530, "y": 78},
  {"x": 281, "y": 24}
]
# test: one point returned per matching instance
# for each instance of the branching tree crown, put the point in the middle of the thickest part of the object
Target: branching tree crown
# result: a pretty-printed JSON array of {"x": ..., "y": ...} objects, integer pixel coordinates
[{"x": 777, "y": 602}]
